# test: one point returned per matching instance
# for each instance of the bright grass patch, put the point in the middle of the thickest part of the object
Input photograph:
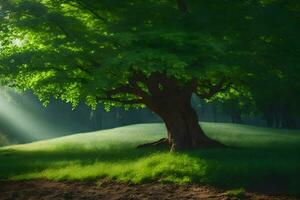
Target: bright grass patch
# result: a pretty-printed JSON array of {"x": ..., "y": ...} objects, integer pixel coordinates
[{"x": 260, "y": 157}]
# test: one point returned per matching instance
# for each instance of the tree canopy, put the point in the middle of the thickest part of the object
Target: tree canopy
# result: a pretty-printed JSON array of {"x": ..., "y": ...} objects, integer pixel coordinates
[{"x": 80, "y": 50}]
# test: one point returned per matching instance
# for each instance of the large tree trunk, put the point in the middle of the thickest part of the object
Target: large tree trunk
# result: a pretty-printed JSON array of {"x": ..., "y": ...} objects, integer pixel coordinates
[
  {"x": 181, "y": 120},
  {"x": 184, "y": 131}
]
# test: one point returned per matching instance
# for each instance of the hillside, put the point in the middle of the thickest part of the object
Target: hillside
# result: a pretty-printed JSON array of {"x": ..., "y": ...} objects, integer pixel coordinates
[{"x": 258, "y": 157}]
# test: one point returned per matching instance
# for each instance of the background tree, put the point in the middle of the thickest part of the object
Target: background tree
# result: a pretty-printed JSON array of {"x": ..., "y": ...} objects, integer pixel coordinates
[
  {"x": 135, "y": 53},
  {"x": 277, "y": 63},
  {"x": 237, "y": 103}
]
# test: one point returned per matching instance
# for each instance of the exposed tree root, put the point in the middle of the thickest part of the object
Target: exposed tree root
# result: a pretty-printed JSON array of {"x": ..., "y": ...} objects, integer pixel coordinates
[{"x": 164, "y": 142}]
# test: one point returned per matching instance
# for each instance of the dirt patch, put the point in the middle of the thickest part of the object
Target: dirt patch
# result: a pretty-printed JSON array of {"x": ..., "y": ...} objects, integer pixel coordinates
[{"x": 44, "y": 190}]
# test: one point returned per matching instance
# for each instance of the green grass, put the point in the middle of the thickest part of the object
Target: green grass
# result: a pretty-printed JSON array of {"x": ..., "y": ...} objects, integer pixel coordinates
[{"x": 262, "y": 159}]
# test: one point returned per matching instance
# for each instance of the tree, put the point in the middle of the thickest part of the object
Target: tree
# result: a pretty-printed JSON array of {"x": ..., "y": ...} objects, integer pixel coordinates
[
  {"x": 236, "y": 103},
  {"x": 278, "y": 99},
  {"x": 278, "y": 64},
  {"x": 131, "y": 53}
]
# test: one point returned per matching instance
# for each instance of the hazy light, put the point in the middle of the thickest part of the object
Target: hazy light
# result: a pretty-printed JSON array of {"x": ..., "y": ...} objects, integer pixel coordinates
[{"x": 22, "y": 121}]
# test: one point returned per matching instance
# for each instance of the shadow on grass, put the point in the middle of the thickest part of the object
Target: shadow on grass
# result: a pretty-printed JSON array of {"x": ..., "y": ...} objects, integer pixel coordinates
[
  {"x": 274, "y": 171},
  {"x": 271, "y": 171}
]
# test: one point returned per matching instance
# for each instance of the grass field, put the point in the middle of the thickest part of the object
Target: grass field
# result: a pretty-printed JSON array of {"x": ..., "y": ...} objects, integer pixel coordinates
[{"x": 261, "y": 158}]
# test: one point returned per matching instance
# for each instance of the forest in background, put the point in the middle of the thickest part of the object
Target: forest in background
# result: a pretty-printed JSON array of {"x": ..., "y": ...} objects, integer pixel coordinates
[{"x": 62, "y": 120}]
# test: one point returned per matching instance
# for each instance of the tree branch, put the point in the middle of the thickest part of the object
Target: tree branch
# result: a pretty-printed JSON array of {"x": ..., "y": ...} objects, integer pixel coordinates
[
  {"x": 150, "y": 82},
  {"x": 118, "y": 100},
  {"x": 84, "y": 69},
  {"x": 121, "y": 89},
  {"x": 93, "y": 12},
  {"x": 222, "y": 86}
]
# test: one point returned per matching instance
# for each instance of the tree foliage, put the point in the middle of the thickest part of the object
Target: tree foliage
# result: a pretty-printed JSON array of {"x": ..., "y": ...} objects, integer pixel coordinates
[{"x": 107, "y": 51}]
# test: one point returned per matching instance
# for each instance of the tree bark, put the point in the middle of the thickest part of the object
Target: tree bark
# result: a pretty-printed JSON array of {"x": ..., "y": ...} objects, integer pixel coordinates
[
  {"x": 184, "y": 131},
  {"x": 181, "y": 120}
]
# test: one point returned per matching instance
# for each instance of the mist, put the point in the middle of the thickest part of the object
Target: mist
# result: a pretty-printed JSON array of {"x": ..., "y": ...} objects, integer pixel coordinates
[
  {"x": 20, "y": 117},
  {"x": 24, "y": 119}
]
